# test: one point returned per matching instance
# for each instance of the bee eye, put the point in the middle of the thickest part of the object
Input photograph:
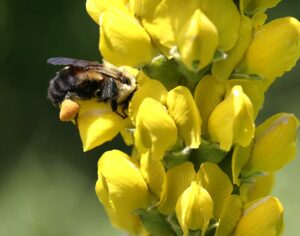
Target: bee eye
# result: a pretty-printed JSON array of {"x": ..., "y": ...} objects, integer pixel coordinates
[{"x": 98, "y": 93}]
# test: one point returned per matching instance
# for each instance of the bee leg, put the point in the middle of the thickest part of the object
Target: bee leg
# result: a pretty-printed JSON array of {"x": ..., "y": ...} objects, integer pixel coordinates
[{"x": 114, "y": 107}]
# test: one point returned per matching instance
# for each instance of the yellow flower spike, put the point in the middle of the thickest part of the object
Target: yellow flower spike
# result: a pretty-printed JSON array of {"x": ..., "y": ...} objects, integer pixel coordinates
[
  {"x": 274, "y": 143},
  {"x": 97, "y": 123},
  {"x": 240, "y": 157},
  {"x": 194, "y": 208},
  {"x": 208, "y": 94},
  {"x": 183, "y": 109},
  {"x": 274, "y": 50},
  {"x": 230, "y": 216},
  {"x": 177, "y": 179},
  {"x": 153, "y": 172},
  {"x": 96, "y": 7},
  {"x": 261, "y": 217},
  {"x": 231, "y": 122},
  {"x": 123, "y": 41},
  {"x": 121, "y": 183},
  {"x": 126, "y": 222},
  {"x": 150, "y": 89},
  {"x": 222, "y": 69},
  {"x": 198, "y": 41},
  {"x": 252, "y": 6},
  {"x": 262, "y": 187},
  {"x": 254, "y": 89},
  {"x": 217, "y": 183},
  {"x": 156, "y": 131},
  {"x": 225, "y": 16}
]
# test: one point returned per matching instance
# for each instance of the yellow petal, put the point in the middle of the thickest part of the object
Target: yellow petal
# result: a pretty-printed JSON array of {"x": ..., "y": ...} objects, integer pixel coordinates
[
  {"x": 150, "y": 89},
  {"x": 250, "y": 7},
  {"x": 258, "y": 189},
  {"x": 177, "y": 180},
  {"x": 194, "y": 208},
  {"x": 240, "y": 157},
  {"x": 198, "y": 41},
  {"x": 222, "y": 69},
  {"x": 163, "y": 20},
  {"x": 274, "y": 144},
  {"x": 217, "y": 183},
  {"x": 123, "y": 41},
  {"x": 231, "y": 213},
  {"x": 261, "y": 217},
  {"x": 208, "y": 94},
  {"x": 132, "y": 224},
  {"x": 274, "y": 49},
  {"x": 123, "y": 182},
  {"x": 225, "y": 16},
  {"x": 97, "y": 123},
  {"x": 95, "y": 7},
  {"x": 231, "y": 121},
  {"x": 153, "y": 172},
  {"x": 183, "y": 109},
  {"x": 156, "y": 131},
  {"x": 254, "y": 89}
]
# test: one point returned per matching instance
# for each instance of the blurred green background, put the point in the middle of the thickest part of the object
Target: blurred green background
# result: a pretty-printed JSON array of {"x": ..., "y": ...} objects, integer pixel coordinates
[{"x": 46, "y": 181}]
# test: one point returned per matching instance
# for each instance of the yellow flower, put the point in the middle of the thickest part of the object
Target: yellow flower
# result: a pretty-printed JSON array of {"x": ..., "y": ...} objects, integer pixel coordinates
[
  {"x": 123, "y": 41},
  {"x": 120, "y": 183},
  {"x": 274, "y": 50},
  {"x": 156, "y": 131},
  {"x": 198, "y": 41},
  {"x": 97, "y": 123},
  {"x": 261, "y": 217},
  {"x": 231, "y": 121},
  {"x": 194, "y": 208},
  {"x": 183, "y": 109},
  {"x": 274, "y": 144}
]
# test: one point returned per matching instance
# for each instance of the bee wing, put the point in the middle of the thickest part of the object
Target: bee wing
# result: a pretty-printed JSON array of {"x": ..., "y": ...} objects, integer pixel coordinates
[{"x": 64, "y": 61}]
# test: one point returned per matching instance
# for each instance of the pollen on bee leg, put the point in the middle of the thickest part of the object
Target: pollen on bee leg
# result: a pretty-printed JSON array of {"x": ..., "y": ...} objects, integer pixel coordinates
[{"x": 68, "y": 110}]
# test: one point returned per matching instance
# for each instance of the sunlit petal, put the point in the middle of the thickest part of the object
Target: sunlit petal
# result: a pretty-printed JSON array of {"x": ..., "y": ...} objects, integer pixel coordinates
[
  {"x": 156, "y": 131},
  {"x": 97, "y": 123},
  {"x": 123, "y": 41},
  {"x": 183, "y": 109}
]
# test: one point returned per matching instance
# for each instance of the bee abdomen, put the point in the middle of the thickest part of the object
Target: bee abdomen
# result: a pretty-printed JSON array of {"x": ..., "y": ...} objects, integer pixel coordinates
[{"x": 59, "y": 87}]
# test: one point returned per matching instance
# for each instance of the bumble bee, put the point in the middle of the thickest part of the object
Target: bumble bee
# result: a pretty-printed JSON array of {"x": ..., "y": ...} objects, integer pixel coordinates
[{"x": 82, "y": 79}]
